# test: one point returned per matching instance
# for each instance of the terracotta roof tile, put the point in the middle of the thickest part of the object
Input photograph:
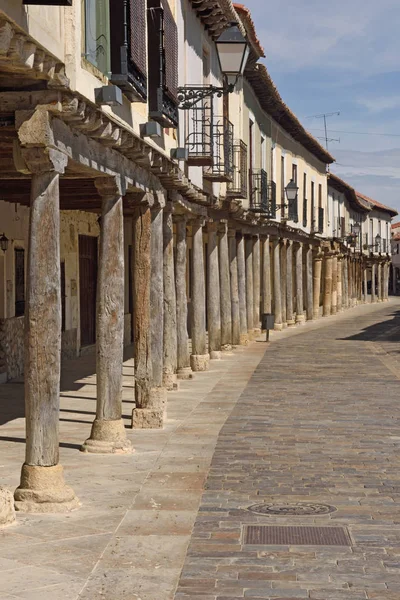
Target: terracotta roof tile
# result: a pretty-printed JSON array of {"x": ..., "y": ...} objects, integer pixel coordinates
[
  {"x": 245, "y": 16},
  {"x": 383, "y": 207}
]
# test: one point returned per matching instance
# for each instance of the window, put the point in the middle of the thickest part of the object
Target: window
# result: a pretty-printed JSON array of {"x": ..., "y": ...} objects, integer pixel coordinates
[
  {"x": 162, "y": 44},
  {"x": 305, "y": 200},
  {"x": 251, "y": 155},
  {"x": 263, "y": 153},
  {"x": 19, "y": 265},
  {"x": 294, "y": 173},
  {"x": 320, "y": 196},
  {"x": 283, "y": 199},
  {"x": 97, "y": 34},
  {"x": 313, "y": 205}
]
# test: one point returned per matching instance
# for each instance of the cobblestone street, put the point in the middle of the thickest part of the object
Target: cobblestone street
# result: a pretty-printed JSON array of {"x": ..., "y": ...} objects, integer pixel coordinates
[{"x": 317, "y": 423}]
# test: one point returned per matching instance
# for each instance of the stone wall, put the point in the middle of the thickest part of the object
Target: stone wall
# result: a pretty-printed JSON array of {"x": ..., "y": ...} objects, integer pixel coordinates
[{"x": 12, "y": 347}]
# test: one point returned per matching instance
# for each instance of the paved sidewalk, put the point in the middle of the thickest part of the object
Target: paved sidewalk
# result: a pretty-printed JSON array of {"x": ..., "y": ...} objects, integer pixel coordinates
[{"x": 319, "y": 422}]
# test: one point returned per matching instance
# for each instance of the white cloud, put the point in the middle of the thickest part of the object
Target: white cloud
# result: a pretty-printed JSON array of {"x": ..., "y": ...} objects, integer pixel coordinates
[{"x": 379, "y": 104}]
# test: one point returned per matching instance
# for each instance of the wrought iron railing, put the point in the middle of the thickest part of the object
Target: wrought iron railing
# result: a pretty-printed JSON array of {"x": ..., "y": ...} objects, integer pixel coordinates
[
  {"x": 384, "y": 245},
  {"x": 199, "y": 142},
  {"x": 263, "y": 194},
  {"x": 222, "y": 168},
  {"x": 238, "y": 187}
]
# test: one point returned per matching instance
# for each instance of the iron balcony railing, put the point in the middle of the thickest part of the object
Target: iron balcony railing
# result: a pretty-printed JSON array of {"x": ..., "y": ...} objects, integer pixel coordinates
[
  {"x": 237, "y": 188},
  {"x": 222, "y": 168},
  {"x": 262, "y": 194},
  {"x": 318, "y": 220}
]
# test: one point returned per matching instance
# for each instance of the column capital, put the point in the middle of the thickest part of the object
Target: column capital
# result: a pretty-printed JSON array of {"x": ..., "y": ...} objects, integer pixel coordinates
[
  {"x": 108, "y": 186},
  {"x": 289, "y": 242},
  {"x": 40, "y": 160},
  {"x": 213, "y": 226}
]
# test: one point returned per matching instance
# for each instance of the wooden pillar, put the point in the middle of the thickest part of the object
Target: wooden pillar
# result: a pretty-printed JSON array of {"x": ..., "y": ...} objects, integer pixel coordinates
[
  {"x": 309, "y": 284},
  {"x": 289, "y": 284},
  {"x": 334, "y": 284},
  {"x": 365, "y": 280},
  {"x": 380, "y": 286},
  {"x": 277, "y": 286},
  {"x": 213, "y": 293},
  {"x": 340, "y": 283},
  {"x": 327, "y": 305},
  {"x": 233, "y": 270},
  {"x": 299, "y": 285},
  {"x": 257, "y": 284},
  {"x": 184, "y": 370},
  {"x": 249, "y": 285},
  {"x": 373, "y": 281},
  {"x": 317, "y": 282},
  {"x": 283, "y": 283},
  {"x": 108, "y": 435},
  {"x": 42, "y": 487},
  {"x": 200, "y": 359},
  {"x": 266, "y": 279},
  {"x": 170, "y": 351},
  {"x": 346, "y": 282},
  {"x": 241, "y": 261},
  {"x": 225, "y": 285}
]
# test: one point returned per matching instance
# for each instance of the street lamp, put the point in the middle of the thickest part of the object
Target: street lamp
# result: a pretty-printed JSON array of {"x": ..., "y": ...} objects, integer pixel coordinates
[
  {"x": 233, "y": 52},
  {"x": 3, "y": 242},
  {"x": 291, "y": 191},
  {"x": 356, "y": 229}
]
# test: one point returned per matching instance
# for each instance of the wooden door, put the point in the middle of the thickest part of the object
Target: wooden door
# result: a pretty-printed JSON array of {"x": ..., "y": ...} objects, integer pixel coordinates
[{"x": 87, "y": 288}]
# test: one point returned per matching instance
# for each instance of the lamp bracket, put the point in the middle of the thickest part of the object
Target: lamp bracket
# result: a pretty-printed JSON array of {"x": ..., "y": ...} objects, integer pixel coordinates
[{"x": 191, "y": 95}]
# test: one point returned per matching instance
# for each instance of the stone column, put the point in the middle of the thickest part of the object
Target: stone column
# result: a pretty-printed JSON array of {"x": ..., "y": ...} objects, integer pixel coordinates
[
  {"x": 249, "y": 286},
  {"x": 183, "y": 355},
  {"x": 233, "y": 271},
  {"x": 340, "y": 283},
  {"x": 365, "y": 278},
  {"x": 309, "y": 283},
  {"x": 334, "y": 284},
  {"x": 241, "y": 262},
  {"x": 200, "y": 359},
  {"x": 170, "y": 355},
  {"x": 225, "y": 283},
  {"x": 108, "y": 435},
  {"x": 299, "y": 284},
  {"x": 277, "y": 286},
  {"x": 345, "y": 283},
  {"x": 267, "y": 296},
  {"x": 289, "y": 284},
  {"x": 213, "y": 295},
  {"x": 257, "y": 284},
  {"x": 380, "y": 282},
  {"x": 42, "y": 487},
  {"x": 317, "y": 282},
  {"x": 327, "y": 305},
  {"x": 373, "y": 282},
  {"x": 149, "y": 395},
  {"x": 283, "y": 283},
  {"x": 386, "y": 282}
]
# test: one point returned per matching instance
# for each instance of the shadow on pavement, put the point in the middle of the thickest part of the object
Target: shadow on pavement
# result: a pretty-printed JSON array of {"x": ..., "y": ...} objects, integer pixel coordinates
[{"x": 385, "y": 331}]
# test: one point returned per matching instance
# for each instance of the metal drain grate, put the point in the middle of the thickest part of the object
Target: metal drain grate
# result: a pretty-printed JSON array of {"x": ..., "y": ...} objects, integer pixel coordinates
[
  {"x": 265, "y": 535},
  {"x": 297, "y": 509}
]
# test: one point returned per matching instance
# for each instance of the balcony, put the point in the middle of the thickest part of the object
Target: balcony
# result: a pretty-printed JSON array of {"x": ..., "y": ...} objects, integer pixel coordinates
[
  {"x": 317, "y": 225},
  {"x": 237, "y": 188},
  {"x": 262, "y": 194},
  {"x": 222, "y": 168}
]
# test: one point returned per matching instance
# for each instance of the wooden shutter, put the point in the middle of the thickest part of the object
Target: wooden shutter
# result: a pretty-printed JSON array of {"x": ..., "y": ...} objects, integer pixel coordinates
[
  {"x": 137, "y": 34},
  {"x": 170, "y": 52}
]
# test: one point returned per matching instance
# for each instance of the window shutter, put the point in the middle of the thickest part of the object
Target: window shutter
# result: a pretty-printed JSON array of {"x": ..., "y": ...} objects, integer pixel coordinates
[
  {"x": 137, "y": 34},
  {"x": 171, "y": 52}
]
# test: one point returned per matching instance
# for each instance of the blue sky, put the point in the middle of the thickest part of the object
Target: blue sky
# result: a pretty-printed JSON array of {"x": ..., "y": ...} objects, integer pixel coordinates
[{"x": 341, "y": 56}]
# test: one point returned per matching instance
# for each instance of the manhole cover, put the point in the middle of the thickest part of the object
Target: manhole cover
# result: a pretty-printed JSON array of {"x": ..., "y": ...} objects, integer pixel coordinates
[
  {"x": 265, "y": 535},
  {"x": 297, "y": 509}
]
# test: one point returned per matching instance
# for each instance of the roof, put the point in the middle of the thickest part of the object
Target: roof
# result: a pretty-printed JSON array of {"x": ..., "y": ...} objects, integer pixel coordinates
[
  {"x": 378, "y": 205},
  {"x": 350, "y": 193},
  {"x": 245, "y": 16},
  {"x": 216, "y": 15},
  {"x": 395, "y": 225},
  {"x": 273, "y": 104}
]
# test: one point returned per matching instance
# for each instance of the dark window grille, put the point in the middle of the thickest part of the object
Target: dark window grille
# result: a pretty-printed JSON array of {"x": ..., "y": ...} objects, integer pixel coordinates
[
  {"x": 305, "y": 201},
  {"x": 320, "y": 220},
  {"x": 162, "y": 40},
  {"x": 342, "y": 227},
  {"x": 238, "y": 187},
  {"x": 19, "y": 261},
  {"x": 128, "y": 47},
  {"x": 384, "y": 245},
  {"x": 293, "y": 213},
  {"x": 365, "y": 241},
  {"x": 222, "y": 151},
  {"x": 263, "y": 196},
  {"x": 199, "y": 144}
]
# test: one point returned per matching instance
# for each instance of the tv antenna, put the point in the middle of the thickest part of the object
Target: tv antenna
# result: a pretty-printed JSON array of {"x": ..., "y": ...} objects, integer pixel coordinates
[{"x": 325, "y": 116}]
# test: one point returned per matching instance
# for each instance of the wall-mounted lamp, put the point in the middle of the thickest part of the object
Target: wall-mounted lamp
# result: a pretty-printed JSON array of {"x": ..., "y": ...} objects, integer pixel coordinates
[{"x": 4, "y": 242}]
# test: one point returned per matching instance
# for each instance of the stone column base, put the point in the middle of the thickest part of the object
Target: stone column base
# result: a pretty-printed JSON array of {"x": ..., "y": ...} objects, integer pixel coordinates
[
  {"x": 215, "y": 355},
  {"x": 43, "y": 490},
  {"x": 284, "y": 325},
  {"x": 170, "y": 382},
  {"x": 227, "y": 348},
  {"x": 300, "y": 319},
  {"x": 200, "y": 362},
  {"x": 7, "y": 512},
  {"x": 291, "y": 323},
  {"x": 107, "y": 437},
  {"x": 185, "y": 373},
  {"x": 334, "y": 310},
  {"x": 152, "y": 416},
  {"x": 257, "y": 332},
  {"x": 244, "y": 339}
]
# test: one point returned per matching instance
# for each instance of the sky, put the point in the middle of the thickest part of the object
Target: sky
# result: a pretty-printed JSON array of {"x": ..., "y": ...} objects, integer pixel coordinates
[{"x": 342, "y": 57}]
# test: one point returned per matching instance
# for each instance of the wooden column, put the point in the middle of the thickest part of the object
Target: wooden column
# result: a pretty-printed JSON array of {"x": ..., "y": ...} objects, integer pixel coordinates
[
  {"x": 365, "y": 282},
  {"x": 249, "y": 285},
  {"x": 277, "y": 286},
  {"x": 200, "y": 359},
  {"x": 225, "y": 286},
  {"x": 42, "y": 487},
  {"x": 380, "y": 286},
  {"x": 213, "y": 295},
  {"x": 266, "y": 278},
  {"x": 327, "y": 304},
  {"x": 340, "y": 283},
  {"x": 183, "y": 355},
  {"x": 373, "y": 281},
  {"x": 334, "y": 284},
  {"x": 289, "y": 284},
  {"x": 309, "y": 284},
  {"x": 170, "y": 351},
  {"x": 241, "y": 260},
  {"x": 300, "y": 318},
  {"x": 283, "y": 283},
  {"x": 317, "y": 282},
  {"x": 108, "y": 435},
  {"x": 233, "y": 270},
  {"x": 257, "y": 284}
]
